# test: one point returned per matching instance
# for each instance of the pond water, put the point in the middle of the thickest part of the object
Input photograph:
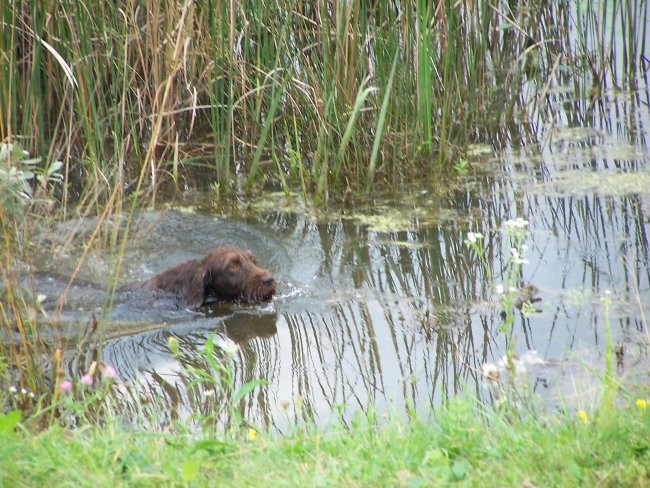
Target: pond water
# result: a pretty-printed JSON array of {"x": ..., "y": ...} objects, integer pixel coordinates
[{"x": 382, "y": 304}]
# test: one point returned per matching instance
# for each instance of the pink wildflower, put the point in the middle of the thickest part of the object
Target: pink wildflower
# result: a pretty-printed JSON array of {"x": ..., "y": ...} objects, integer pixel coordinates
[
  {"x": 87, "y": 379},
  {"x": 108, "y": 371},
  {"x": 66, "y": 386}
]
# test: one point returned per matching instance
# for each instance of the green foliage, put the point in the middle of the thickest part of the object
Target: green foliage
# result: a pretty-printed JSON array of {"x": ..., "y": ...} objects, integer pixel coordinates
[
  {"x": 215, "y": 375},
  {"x": 15, "y": 179},
  {"x": 362, "y": 92},
  {"x": 18, "y": 175},
  {"x": 25, "y": 194},
  {"x": 9, "y": 421},
  {"x": 461, "y": 167},
  {"x": 465, "y": 442}
]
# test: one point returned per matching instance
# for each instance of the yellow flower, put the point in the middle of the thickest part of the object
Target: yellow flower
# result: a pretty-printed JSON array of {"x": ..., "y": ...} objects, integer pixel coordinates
[
  {"x": 642, "y": 404},
  {"x": 582, "y": 415},
  {"x": 252, "y": 434}
]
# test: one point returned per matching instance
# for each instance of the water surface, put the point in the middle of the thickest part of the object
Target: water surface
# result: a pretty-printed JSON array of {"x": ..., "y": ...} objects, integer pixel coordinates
[{"x": 380, "y": 302}]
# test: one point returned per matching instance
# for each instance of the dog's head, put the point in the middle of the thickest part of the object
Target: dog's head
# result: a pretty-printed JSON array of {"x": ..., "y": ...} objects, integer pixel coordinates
[{"x": 229, "y": 273}]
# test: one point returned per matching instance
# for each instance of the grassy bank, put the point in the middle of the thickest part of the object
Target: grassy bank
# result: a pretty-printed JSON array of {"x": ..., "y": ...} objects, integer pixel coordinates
[{"x": 464, "y": 443}]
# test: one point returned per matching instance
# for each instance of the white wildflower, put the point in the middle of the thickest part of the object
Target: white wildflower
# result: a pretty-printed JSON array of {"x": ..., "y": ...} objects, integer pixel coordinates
[
  {"x": 490, "y": 371},
  {"x": 532, "y": 358},
  {"x": 519, "y": 222},
  {"x": 229, "y": 346}
]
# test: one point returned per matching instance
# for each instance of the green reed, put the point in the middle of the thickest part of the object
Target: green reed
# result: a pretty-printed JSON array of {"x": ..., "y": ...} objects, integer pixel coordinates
[{"x": 130, "y": 91}]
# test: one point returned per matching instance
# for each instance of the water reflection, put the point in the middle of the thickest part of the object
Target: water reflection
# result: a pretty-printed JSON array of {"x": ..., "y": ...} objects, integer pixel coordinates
[
  {"x": 403, "y": 319},
  {"x": 383, "y": 304}
]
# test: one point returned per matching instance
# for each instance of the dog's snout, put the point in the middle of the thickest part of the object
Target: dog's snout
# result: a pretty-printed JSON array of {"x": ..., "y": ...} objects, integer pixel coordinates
[{"x": 268, "y": 279}]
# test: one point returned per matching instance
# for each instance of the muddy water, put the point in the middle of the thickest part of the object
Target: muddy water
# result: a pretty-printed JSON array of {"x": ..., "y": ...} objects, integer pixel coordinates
[{"x": 382, "y": 304}]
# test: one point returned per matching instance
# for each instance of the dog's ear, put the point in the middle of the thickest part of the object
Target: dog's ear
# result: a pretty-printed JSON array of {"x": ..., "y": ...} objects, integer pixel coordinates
[{"x": 197, "y": 287}]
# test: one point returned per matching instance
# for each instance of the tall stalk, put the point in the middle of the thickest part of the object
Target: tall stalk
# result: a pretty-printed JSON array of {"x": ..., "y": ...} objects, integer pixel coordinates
[
  {"x": 171, "y": 86},
  {"x": 425, "y": 66}
]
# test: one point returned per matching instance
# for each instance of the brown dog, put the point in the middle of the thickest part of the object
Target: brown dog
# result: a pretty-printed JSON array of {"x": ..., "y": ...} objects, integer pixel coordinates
[{"x": 226, "y": 273}]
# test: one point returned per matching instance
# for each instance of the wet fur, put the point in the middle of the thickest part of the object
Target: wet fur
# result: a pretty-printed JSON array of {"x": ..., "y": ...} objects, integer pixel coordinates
[{"x": 225, "y": 273}]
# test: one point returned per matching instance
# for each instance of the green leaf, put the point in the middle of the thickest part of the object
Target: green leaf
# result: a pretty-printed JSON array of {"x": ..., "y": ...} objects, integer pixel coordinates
[
  {"x": 9, "y": 421},
  {"x": 54, "y": 167},
  {"x": 190, "y": 470},
  {"x": 380, "y": 124},
  {"x": 460, "y": 469},
  {"x": 362, "y": 94},
  {"x": 246, "y": 389},
  {"x": 268, "y": 122},
  {"x": 31, "y": 161},
  {"x": 17, "y": 153}
]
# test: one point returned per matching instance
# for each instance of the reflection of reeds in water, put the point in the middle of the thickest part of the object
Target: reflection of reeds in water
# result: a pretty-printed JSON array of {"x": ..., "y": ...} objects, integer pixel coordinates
[
  {"x": 205, "y": 377},
  {"x": 413, "y": 316},
  {"x": 370, "y": 350}
]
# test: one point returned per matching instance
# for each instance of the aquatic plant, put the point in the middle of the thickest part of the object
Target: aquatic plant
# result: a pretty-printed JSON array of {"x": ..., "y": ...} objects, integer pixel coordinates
[
  {"x": 322, "y": 96},
  {"x": 211, "y": 388},
  {"x": 507, "y": 379}
]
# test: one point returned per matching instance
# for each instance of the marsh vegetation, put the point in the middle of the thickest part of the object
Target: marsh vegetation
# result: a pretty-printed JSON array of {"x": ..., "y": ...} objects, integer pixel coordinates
[
  {"x": 416, "y": 174},
  {"x": 321, "y": 97}
]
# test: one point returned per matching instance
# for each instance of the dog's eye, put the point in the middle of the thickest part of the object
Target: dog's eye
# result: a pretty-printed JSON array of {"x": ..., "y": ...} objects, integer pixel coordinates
[{"x": 252, "y": 257}]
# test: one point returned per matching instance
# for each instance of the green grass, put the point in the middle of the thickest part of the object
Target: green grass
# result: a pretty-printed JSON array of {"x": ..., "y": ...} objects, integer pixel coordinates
[{"x": 457, "y": 445}]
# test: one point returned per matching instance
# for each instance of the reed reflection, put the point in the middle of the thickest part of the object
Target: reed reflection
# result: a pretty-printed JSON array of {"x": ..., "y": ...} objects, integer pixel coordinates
[
  {"x": 413, "y": 314},
  {"x": 212, "y": 358},
  {"x": 399, "y": 313}
]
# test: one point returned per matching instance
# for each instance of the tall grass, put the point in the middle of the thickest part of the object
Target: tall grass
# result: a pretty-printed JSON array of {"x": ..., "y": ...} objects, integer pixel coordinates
[{"x": 125, "y": 91}]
